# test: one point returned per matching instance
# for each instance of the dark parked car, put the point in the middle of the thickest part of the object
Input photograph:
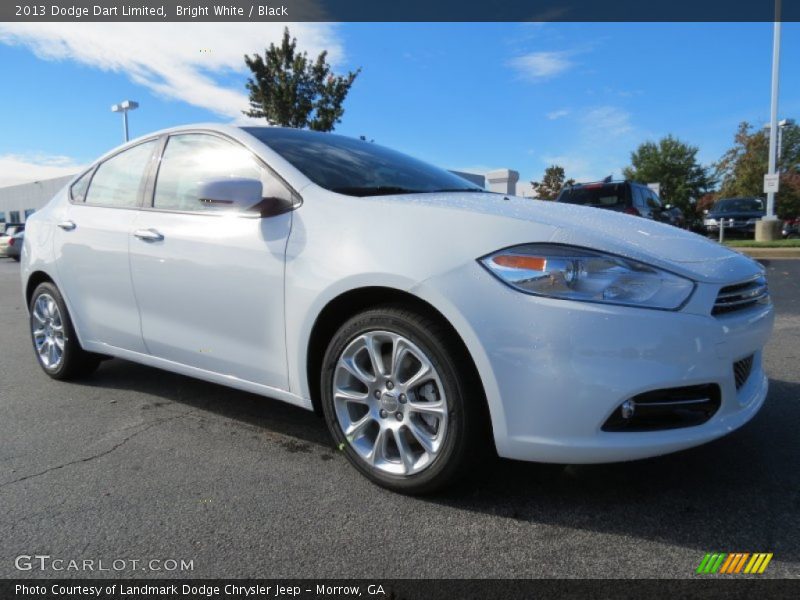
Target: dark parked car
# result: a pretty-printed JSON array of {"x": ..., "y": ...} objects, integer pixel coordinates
[
  {"x": 791, "y": 229},
  {"x": 739, "y": 215},
  {"x": 621, "y": 196},
  {"x": 674, "y": 216}
]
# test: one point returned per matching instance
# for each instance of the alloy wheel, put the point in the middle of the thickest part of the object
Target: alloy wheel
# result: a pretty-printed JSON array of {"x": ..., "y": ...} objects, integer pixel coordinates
[
  {"x": 47, "y": 327},
  {"x": 390, "y": 403}
]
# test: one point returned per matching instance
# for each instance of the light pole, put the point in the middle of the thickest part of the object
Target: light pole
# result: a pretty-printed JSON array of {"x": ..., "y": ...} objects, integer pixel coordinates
[
  {"x": 124, "y": 107},
  {"x": 782, "y": 124},
  {"x": 769, "y": 226}
]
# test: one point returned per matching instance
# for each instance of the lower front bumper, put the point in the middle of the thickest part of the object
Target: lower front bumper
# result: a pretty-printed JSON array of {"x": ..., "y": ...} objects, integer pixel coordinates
[{"x": 555, "y": 370}]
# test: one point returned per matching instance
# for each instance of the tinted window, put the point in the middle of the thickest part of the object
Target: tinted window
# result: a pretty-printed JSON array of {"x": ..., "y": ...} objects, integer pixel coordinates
[
  {"x": 739, "y": 205},
  {"x": 356, "y": 167},
  {"x": 78, "y": 190},
  {"x": 600, "y": 195},
  {"x": 192, "y": 159},
  {"x": 116, "y": 181},
  {"x": 652, "y": 199}
]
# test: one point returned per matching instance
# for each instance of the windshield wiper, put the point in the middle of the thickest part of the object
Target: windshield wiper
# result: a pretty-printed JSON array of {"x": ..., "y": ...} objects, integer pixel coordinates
[
  {"x": 456, "y": 190},
  {"x": 380, "y": 190}
]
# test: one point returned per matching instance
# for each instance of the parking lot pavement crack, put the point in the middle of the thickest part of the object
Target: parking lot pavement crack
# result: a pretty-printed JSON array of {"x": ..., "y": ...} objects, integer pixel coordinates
[{"x": 87, "y": 459}]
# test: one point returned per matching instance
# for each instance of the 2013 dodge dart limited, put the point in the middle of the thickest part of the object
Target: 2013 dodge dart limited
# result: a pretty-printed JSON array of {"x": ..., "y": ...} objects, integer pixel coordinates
[{"x": 428, "y": 320}]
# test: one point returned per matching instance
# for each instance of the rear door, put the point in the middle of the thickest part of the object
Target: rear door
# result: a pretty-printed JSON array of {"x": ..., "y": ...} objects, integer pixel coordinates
[
  {"x": 91, "y": 248},
  {"x": 209, "y": 282}
]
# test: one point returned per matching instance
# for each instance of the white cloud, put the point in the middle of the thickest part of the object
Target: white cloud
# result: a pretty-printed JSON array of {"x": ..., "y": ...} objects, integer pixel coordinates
[
  {"x": 557, "y": 114},
  {"x": 167, "y": 58},
  {"x": 599, "y": 145},
  {"x": 24, "y": 168},
  {"x": 604, "y": 121},
  {"x": 538, "y": 66},
  {"x": 576, "y": 167}
]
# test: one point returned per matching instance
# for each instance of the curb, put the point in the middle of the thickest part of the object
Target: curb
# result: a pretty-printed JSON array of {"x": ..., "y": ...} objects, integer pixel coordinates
[{"x": 769, "y": 252}]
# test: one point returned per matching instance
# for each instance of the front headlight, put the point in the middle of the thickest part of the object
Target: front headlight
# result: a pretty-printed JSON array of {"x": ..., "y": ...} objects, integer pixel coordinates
[{"x": 572, "y": 273}]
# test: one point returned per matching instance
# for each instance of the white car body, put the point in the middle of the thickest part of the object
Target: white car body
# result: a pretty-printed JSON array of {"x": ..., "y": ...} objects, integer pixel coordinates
[{"x": 237, "y": 305}]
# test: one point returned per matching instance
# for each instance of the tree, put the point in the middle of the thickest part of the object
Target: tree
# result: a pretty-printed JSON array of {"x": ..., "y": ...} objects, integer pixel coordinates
[
  {"x": 551, "y": 184},
  {"x": 673, "y": 164},
  {"x": 741, "y": 169},
  {"x": 289, "y": 90}
]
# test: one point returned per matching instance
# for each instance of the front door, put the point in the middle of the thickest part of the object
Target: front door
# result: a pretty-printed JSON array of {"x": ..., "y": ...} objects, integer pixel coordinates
[{"x": 209, "y": 283}]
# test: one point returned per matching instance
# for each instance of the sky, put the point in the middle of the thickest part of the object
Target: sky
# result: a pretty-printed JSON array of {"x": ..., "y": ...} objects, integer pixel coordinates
[{"x": 470, "y": 96}]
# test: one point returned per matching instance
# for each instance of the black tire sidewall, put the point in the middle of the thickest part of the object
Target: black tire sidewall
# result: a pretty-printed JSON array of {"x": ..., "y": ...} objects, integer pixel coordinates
[{"x": 450, "y": 461}]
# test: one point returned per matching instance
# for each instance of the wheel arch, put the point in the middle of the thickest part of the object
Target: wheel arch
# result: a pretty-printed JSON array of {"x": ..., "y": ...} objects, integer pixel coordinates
[
  {"x": 34, "y": 280},
  {"x": 347, "y": 304}
]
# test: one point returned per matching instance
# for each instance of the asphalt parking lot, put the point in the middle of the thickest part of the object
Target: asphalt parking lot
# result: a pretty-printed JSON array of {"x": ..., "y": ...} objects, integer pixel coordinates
[{"x": 136, "y": 463}]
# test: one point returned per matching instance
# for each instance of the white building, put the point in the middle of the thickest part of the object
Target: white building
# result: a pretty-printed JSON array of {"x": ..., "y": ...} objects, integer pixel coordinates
[{"x": 19, "y": 201}]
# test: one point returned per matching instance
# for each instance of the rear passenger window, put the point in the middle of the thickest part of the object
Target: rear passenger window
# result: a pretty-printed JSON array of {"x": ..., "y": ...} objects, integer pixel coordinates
[
  {"x": 116, "y": 182},
  {"x": 77, "y": 192}
]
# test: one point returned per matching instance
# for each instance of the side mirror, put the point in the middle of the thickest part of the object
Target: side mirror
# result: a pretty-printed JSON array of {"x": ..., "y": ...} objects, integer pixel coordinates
[{"x": 237, "y": 193}]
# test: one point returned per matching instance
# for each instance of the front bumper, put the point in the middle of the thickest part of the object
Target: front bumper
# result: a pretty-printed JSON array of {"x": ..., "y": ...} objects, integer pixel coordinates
[
  {"x": 555, "y": 370},
  {"x": 735, "y": 227}
]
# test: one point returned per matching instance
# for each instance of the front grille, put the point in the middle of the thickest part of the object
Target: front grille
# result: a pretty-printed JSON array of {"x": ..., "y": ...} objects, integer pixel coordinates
[
  {"x": 741, "y": 370},
  {"x": 741, "y": 295},
  {"x": 670, "y": 408}
]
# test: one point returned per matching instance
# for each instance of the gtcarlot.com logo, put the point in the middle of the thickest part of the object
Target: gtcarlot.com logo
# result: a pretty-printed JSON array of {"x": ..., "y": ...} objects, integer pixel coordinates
[
  {"x": 735, "y": 563},
  {"x": 45, "y": 562}
]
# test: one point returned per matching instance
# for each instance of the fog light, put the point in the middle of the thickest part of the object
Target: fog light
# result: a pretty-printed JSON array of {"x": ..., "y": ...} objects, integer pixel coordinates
[{"x": 628, "y": 408}]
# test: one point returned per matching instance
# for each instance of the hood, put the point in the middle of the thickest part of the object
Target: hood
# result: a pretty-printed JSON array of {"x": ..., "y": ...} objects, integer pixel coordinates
[{"x": 658, "y": 244}]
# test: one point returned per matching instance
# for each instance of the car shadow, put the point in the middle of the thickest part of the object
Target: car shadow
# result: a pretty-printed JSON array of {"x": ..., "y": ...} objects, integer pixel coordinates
[
  {"x": 251, "y": 409},
  {"x": 739, "y": 493}
]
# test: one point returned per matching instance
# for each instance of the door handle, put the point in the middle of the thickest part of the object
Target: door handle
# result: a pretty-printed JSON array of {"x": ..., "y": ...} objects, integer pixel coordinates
[
  {"x": 148, "y": 235},
  {"x": 67, "y": 225}
]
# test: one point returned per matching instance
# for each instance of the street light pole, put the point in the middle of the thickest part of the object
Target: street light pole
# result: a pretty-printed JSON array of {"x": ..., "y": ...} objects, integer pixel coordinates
[
  {"x": 124, "y": 107},
  {"x": 769, "y": 227},
  {"x": 773, "y": 114}
]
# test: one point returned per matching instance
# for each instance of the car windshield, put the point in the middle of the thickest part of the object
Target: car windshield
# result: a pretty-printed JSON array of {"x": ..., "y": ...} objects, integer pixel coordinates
[
  {"x": 739, "y": 205},
  {"x": 356, "y": 167},
  {"x": 600, "y": 195}
]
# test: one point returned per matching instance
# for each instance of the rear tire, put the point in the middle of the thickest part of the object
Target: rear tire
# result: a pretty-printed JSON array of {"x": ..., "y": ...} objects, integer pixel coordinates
[
  {"x": 55, "y": 344},
  {"x": 409, "y": 434}
]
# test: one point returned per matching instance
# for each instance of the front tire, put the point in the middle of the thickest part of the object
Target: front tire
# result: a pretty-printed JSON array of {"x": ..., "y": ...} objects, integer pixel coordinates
[
  {"x": 400, "y": 402},
  {"x": 55, "y": 344}
]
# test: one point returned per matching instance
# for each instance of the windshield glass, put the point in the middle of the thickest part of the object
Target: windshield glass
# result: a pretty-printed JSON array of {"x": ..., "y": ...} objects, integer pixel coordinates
[
  {"x": 600, "y": 195},
  {"x": 356, "y": 167},
  {"x": 739, "y": 205}
]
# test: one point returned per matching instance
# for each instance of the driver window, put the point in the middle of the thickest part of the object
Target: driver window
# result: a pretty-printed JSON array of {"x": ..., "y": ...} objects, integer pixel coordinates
[{"x": 191, "y": 159}]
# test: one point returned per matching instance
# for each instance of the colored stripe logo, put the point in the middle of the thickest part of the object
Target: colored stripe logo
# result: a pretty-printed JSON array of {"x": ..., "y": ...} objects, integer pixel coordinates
[{"x": 734, "y": 563}]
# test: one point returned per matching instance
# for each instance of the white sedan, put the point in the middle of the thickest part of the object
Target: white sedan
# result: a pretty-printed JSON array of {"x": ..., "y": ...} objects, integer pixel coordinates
[{"x": 431, "y": 322}]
